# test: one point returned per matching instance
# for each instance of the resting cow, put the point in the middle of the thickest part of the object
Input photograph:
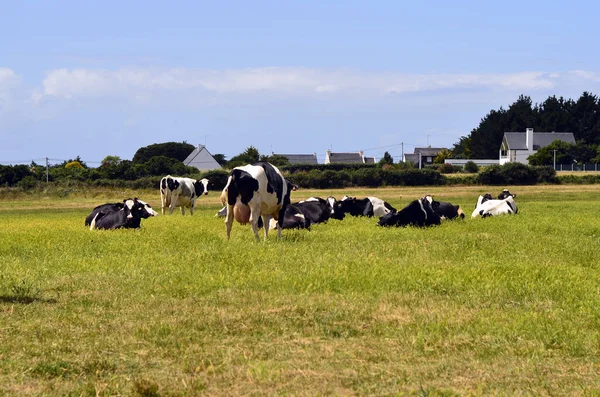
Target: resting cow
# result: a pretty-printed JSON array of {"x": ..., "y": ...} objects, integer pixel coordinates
[
  {"x": 129, "y": 217},
  {"x": 181, "y": 192},
  {"x": 445, "y": 210},
  {"x": 113, "y": 207},
  {"x": 489, "y": 207},
  {"x": 253, "y": 191},
  {"x": 370, "y": 206},
  {"x": 416, "y": 213}
]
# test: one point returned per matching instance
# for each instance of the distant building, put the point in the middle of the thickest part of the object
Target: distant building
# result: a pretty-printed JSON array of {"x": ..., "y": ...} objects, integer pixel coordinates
[
  {"x": 348, "y": 158},
  {"x": 422, "y": 156},
  {"x": 201, "y": 159},
  {"x": 300, "y": 158},
  {"x": 518, "y": 146}
]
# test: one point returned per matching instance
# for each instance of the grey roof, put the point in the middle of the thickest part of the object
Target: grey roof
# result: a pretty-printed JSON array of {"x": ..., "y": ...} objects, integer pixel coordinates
[
  {"x": 428, "y": 151},
  {"x": 300, "y": 158},
  {"x": 516, "y": 140},
  {"x": 411, "y": 157},
  {"x": 369, "y": 160},
  {"x": 346, "y": 158},
  {"x": 201, "y": 159}
]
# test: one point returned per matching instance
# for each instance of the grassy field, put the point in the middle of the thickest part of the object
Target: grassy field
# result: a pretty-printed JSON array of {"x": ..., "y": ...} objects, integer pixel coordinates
[{"x": 497, "y": 306}]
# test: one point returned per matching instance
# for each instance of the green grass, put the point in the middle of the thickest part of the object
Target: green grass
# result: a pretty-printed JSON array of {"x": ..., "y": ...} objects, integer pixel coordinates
[{"x": 498, "y": 306}]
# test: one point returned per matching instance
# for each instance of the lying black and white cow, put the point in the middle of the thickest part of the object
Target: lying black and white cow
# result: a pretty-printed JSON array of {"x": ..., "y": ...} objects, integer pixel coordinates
[
  {"x": 181, "y": 192},
  {"x": 369, "y": 206},
  {"x": 113, "y": 207},
  {"x": 416, "y": 213},
  {"x": 486, "y": 206},
  {"x": 445, "y": 209},
  {"x": 313, "y": 210},
  {"x": 253, "y": 191},
  {"x": 129, "y": 216}
]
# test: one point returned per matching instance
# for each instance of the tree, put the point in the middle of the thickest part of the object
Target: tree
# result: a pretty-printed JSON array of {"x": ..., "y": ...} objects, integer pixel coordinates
[
  {"x": 248, "y": 156},
  {"x": 174, "y": 150},
  {"x": 386, "y": 159},
  {"x": 220, "y": 158},
  {"x": 110, "y": 160},
  {"x": 442, "y": 155},
  {"x": 276, "y": 160},
  {"x": 565, "y": 154}
]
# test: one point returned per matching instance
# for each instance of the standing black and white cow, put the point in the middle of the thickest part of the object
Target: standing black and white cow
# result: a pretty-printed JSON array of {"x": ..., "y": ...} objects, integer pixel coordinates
[
  {"x": 416, "y": 213},
  {"x": 129, "y": 217},
  {"x": 181, "y": 192},
  {"x": 253, "y": 191},
  {"x": 369, "y": 206},
  {"x": 114, "y": 207}
]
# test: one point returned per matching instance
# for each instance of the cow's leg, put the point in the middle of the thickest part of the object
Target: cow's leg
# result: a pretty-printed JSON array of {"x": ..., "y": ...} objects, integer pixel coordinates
[
  {"x": 163, "y": 201},
  {"x": 254, "y": 215},
  {"x": 266, "y": 224},
  {"x": 229, "y": 220},
  {"x": 174, "y": 199},
  {"x": 192, "y": 206},
  {"x": 182, "y": 210}
]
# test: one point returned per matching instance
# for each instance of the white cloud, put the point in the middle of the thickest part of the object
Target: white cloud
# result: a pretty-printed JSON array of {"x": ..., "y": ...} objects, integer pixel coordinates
[{"x": 142, "y": 83}]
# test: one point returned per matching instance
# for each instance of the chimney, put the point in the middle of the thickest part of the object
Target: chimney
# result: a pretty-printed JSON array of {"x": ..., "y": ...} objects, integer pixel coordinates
[{"x": 529, "y": 139}]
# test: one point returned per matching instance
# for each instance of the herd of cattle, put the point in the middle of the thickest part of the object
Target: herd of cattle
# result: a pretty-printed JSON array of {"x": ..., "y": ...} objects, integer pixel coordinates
[{"x": 259, "y": 194}]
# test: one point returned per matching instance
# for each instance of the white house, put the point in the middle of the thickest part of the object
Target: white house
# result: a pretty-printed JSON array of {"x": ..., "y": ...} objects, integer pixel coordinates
[
  {"x": 518, "y": 146},
  {"x": 201, "y": 159}
]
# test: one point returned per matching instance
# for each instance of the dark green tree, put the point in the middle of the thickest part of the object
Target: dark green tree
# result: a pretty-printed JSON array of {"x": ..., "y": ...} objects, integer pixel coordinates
[
  {"x": 248, "y": 156},
  {"x": 174, "y": 150},
  {"x": 386, "y": 159},
  {"x": 220, "y": 158}
]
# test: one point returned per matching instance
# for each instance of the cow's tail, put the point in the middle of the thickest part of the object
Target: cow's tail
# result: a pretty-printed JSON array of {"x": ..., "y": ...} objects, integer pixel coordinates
[
  {"x": 93, "y": 223},
  {"x": 224, "y": 192}
]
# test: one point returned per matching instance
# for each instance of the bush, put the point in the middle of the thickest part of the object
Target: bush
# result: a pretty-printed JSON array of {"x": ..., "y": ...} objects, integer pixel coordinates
[
  {"x": 217, "y": 178},
  {"x": 491, "y": 175},
  {"x": 519, "y": 174},
  {"x": 471, "y": 167},
  {"x": 446, "y": 168}
]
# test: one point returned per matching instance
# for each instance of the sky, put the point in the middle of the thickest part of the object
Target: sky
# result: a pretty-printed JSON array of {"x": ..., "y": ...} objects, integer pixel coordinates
[{"x": 93, "y": 79}]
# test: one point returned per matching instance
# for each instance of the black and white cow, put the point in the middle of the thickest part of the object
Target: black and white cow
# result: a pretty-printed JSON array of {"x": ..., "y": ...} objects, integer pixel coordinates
[
  {"x": 181, "y": 192},
  {"x": 445, "y": 209},
  {"x": 113, "y": 207},
  {"x": 253, "y": 191},
  {"x": 416, "y": 213},
  {"x": 129, "y": 217},
  {"x": 486, "y": 206},
  {"x": 505, "y": 193},
  {"x": 293, "y": 218},
  {"x": 369, "y": 206}
]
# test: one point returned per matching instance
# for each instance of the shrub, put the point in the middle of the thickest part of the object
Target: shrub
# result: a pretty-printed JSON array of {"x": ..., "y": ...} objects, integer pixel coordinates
[
  {"x": 519, "y": 174},
  {"x": 491, "y": 175},
  {"x": 471, "y": 167},
  {"x": 446, "y": 168}
]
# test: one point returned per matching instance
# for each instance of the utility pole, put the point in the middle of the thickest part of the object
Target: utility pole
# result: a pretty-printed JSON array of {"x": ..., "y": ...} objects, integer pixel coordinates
[
  {"x": 46, "y": 169},
  {"x": 554, "y": 159},
  {"x": 402, "y": 152}
]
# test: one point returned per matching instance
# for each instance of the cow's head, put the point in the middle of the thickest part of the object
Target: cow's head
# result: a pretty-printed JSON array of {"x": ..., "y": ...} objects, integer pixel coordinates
[
  {"x": 505, "y": 193},
  {"x": 335, "y": 207},
  {"x": 138, "y": 209},
  {"x": 432, "y": 203},
  {"x": 201, "y": 187}
]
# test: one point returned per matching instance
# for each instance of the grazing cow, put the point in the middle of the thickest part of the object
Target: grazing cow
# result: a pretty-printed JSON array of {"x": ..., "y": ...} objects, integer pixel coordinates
[
  {"x": 416, "y": 213},
  {"x": 370, "y": 206},
  {"x": 445, "y": 210},
  {"x": 254, "y": 191},
  {"x": 489, "y": 207},
  {"x": 113, "y": 207},
  {"x": 181, "y": 192},
  {"x": 129, "y": 217}
]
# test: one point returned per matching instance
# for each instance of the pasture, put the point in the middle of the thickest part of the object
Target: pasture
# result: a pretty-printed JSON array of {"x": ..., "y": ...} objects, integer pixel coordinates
[{"x": 496, "y": 306}]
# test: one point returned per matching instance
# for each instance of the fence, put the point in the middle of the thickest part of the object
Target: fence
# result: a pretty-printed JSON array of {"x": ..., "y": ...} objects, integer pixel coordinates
[{"x": 577, "y": 167}]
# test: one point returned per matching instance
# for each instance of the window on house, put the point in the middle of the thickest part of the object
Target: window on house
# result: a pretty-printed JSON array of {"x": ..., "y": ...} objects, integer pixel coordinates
[
  {"x": 503, "y": 153},
  {"x": 429, "y": 159}
]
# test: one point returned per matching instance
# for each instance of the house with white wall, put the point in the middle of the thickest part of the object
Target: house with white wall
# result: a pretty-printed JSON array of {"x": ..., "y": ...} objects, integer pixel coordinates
[{"x": 518, "y": 146}]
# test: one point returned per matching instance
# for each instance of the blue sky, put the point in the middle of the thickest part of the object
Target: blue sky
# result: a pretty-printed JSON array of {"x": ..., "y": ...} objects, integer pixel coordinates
[{"x": 92, "y": 79}]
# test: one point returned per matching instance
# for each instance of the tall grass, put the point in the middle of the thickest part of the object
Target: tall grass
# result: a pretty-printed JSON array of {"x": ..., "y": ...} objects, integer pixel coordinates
[{"x": 501, "y": 306}]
